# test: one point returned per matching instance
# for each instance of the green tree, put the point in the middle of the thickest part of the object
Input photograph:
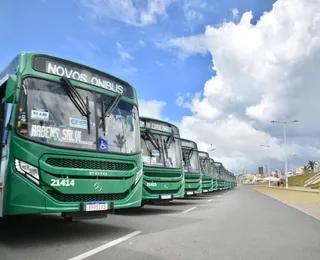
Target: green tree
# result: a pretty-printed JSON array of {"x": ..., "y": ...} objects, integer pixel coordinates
[
  {"x": 120, "y": 141},
  {"x": 305, "y": 169},
  {"x": 312, "y": 165}
]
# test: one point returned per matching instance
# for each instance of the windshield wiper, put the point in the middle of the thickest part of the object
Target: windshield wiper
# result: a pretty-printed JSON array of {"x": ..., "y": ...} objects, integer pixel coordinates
[
  {"x": 153, "y": 140},
  {"x": 169, "y": 140},
  {"x": 112, "y": 106},
  {"x": 73, "y": 94},
  {"x": 107, "y": 112},
  {"x": 103, "y": 116},
  {"x": 145, "y": 138}
]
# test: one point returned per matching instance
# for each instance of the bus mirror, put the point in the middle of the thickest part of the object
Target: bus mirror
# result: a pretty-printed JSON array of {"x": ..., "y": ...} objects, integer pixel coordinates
[{"x": 11, "y": 84}]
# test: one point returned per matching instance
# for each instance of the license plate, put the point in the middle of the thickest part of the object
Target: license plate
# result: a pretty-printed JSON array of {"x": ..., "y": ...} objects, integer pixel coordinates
[
  {"x": 189, "y": 192},
  {"x": 96, "y": 206},
  {"x": 205, "y": 191},
  {"x": 165, "y": 196}
]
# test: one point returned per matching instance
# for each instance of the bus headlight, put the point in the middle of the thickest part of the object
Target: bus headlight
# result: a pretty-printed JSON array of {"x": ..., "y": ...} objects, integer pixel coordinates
[
  {"x": 138, "y": 177},
  {"x": 27, "y": 170}
]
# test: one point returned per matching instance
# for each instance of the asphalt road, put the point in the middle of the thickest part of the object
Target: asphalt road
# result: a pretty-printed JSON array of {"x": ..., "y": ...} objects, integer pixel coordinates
[{"x": 235, "y": 224}]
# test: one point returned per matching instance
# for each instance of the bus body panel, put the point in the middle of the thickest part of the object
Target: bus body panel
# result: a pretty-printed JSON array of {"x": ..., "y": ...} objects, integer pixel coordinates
[
  {"x": 161, "y": 182},
  {"x": 158, "y": 182},
  {"x": 68, "y": 177},
  {"x": 207, "y": 184},
  {"x": 193, "y": 183}
]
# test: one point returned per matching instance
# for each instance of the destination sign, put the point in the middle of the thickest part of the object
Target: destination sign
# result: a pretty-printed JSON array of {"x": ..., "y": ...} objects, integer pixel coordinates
[
  {"x": 202, "y": 154},
  {"x": 81, "y": 73},
  {"x": 188, "y": 144},
  {"x": 156, "y": 126}
]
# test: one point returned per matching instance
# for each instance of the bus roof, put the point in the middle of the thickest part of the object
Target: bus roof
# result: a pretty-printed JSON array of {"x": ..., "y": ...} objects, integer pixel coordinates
[
  {"x": 72, "y": 61},
  {"x": 158, "y": 120},
  {"x": 202, "y": 152},
  {"x": 188, "y": 141},
  {"x": 72, "y": 65}
]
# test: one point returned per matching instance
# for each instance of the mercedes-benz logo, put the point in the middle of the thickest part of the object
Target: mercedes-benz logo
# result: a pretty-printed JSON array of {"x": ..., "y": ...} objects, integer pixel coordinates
[
  {"x": 97, "y": 187},
  {"x": 165, "y": 186}
]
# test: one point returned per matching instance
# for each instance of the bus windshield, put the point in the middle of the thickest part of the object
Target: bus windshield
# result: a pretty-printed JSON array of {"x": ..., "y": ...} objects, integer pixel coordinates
[
  {"x": 158, "y": 154},
  {"x": 205, "y": 166},
  {"x": 191, "y": 162},
  {"x": 48, "y": 115}
]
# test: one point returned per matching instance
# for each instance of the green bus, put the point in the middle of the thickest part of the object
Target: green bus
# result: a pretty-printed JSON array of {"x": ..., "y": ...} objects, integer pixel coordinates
[
  {"x": 220, "y": 175},
  {"x": 214, "y": 173},
  {"x": 163, "y": 175},
  {"x": 206, "y": 173},
  {"x": 70, "y": 139},
  {"x": 191, "y": 165}
]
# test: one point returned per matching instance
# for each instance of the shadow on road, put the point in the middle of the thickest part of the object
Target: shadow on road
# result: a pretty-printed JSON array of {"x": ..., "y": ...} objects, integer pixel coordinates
[
  {"x": 24, "y": 231},
  {"x": 146, "y": 210}
]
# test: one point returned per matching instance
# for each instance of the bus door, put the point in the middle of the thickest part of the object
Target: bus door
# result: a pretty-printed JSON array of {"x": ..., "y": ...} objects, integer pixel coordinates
[{"x": 5, "y": 135}]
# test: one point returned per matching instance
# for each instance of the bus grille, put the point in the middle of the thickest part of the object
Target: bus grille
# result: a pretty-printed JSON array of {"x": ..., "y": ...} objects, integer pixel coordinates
[
  {"x": 90, "y": 164},
  {"x": 162, "y": 174},
  {"x": 206, "y": 178},
  {"x": 86, "y": 197},
  {"x": 158, "y": 192},
  {"x": 192, "y": 176}
]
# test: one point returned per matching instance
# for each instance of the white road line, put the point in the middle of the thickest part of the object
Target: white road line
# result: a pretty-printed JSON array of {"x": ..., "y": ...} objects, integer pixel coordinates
[
  {"x": 105, "y": 246},
  {"x": 209, "y": 200},
  {"x": 219, "y": 196},
  {"x": 188, "y": 210}
]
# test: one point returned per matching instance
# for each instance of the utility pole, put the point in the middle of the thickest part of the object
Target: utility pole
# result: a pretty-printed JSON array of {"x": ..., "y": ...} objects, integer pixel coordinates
[{"x": 285, "y": 122}]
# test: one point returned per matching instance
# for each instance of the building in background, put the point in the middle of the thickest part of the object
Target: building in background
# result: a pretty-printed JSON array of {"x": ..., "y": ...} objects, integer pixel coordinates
[{"x": 260, "y": 171}]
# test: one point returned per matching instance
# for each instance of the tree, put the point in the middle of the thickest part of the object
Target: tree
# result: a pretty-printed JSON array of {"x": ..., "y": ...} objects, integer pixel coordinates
[
  {"x": 120, "y": 141},
  {"x": 305, "y": 169},
  {"x": 312, "y": 165}
]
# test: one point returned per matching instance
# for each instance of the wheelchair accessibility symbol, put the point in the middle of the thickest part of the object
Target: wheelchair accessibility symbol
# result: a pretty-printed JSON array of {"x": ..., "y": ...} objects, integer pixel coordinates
[{"x": 103, "y": 144}]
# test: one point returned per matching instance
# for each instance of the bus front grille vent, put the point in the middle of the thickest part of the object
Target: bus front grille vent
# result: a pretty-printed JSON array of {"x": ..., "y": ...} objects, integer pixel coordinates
[
  {"x": 162, "y": 174},
  {"x": 90, "y": 164},
  {"x": 192, "y": 177},
  {"x": 86, "y": 197}
]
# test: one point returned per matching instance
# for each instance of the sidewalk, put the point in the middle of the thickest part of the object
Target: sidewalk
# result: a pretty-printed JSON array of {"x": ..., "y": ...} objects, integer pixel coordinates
[
  {"x": 296, "y": 188},
  {"x": 303, "y": 199}
]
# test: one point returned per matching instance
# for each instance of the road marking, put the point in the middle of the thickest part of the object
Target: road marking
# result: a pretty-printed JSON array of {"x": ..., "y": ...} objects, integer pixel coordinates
[
  {"x": 183, "y": 212},
  {"x": 219, "y": 196},
  {"x": 105, "y": 246},
  {"x": 209, "y": 200}
]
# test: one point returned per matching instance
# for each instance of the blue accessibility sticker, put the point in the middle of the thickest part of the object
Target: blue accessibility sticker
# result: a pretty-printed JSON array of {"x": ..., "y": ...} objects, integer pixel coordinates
[{"x": 103, "y": 144}]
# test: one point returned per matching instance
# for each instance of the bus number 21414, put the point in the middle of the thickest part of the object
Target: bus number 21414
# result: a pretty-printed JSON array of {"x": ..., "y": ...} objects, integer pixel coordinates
[{"x": 63, "y": 182}]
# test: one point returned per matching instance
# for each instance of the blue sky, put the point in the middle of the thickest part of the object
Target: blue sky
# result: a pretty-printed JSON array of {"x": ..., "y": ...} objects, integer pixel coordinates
[{"x": 71, "y": 29}]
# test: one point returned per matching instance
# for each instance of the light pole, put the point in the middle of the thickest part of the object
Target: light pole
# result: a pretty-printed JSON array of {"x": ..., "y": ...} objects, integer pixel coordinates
[
  {"x": 268, "y": 146},
  {"x": 285, "y": 122}
]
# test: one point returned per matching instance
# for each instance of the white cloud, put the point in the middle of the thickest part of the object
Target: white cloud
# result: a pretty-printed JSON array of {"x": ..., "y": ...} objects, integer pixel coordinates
[
  {"x": 235, "y": 13},
  {"x": 265, "y": 71},
  {"x": 136, "y": 13},
  {"x": 151, "y": 108},
  {"x": 142, "y": 43},
  {"x": 123, "y": 54}
]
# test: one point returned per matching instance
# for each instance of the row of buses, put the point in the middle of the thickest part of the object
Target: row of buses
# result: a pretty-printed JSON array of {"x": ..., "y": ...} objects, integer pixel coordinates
[{"x": 72, "y": 142}]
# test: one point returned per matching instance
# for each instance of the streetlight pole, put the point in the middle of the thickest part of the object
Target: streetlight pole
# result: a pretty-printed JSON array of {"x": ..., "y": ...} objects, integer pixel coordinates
[
  {"x": 285, "y": 122},
  {"x": 268, "y": 146}
]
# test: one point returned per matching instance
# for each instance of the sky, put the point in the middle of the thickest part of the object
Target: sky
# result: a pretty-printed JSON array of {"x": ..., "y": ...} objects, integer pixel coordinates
[{"x": 220, "y": 70}]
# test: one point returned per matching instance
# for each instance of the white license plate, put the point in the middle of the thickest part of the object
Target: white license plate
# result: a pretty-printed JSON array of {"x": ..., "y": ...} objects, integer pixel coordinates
[
  {"x": 166, "y": 196},
  {"x": 205, "y": 191},
  {"x": 189, "y": 192},
  {"x": 96, "y": 206}
]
